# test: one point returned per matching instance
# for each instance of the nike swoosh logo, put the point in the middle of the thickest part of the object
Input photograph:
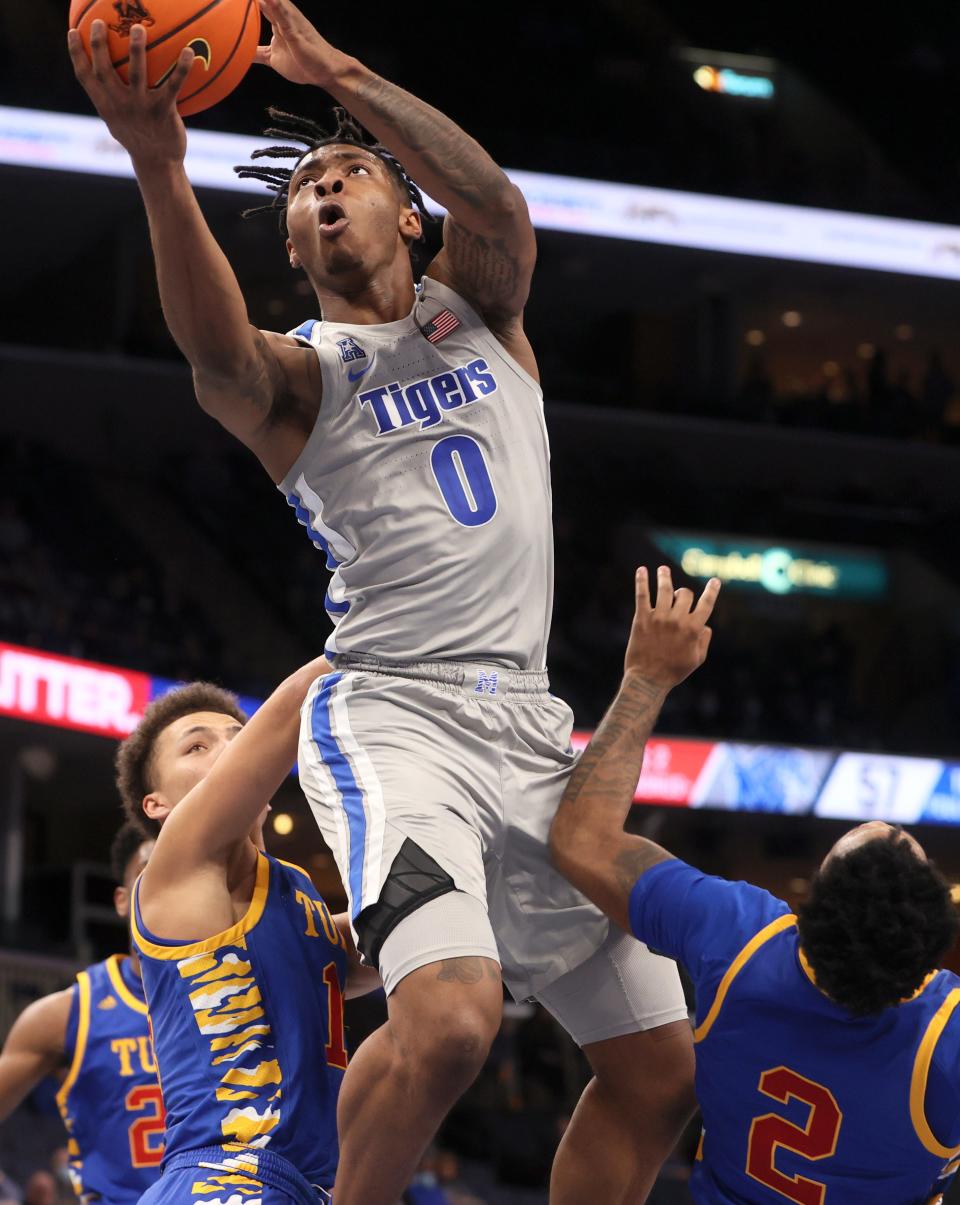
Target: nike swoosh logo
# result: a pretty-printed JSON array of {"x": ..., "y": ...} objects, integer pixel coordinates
[
  {"x": 358, "y": 372},
  {"x": 201, "y": 48}
]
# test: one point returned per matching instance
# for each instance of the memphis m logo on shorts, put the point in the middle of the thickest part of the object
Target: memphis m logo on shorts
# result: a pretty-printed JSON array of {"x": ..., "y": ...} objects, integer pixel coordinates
[
  {"x": 427, "y": 400},
  {"x": 486, "y": 683}
]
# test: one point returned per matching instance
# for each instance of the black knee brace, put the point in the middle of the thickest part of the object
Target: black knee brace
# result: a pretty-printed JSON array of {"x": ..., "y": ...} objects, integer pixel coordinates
[{"x": 414, "y": 879}]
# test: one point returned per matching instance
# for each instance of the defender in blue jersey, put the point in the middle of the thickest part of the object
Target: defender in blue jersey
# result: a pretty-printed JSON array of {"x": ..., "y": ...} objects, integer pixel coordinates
[
  {"x": 95, "y": 1038},
  {"x": 244, "y": 968},
  {"x": 827, "y": 1043}
]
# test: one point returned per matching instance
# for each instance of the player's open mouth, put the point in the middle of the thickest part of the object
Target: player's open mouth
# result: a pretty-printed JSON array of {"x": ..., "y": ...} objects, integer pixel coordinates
[{"x": 333, "y": 219}]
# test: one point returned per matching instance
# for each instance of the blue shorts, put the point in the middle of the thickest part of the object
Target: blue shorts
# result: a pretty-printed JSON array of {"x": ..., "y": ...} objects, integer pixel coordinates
[{"x": 215, "y": 1176}]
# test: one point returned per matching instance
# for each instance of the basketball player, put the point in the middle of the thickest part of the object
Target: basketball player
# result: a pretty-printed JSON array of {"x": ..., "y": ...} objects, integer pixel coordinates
[
  {"x": 406, "y": 429},
  {"x": 244, "y": 968},
  {"x": 827, "y": 1044},
  {"x": 94, "y": 1037}
]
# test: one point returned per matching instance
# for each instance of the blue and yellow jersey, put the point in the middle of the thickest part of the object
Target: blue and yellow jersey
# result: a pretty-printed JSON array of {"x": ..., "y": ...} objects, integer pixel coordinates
[
  {"x": 802, "y": 1101},
  {"x": 110, "y": 1100},
  {"x": 248, "y": 1029}
]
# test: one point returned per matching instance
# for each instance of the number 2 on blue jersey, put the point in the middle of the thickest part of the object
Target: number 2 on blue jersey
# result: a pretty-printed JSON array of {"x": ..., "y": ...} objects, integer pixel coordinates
[{"x": 464, "y": 480}]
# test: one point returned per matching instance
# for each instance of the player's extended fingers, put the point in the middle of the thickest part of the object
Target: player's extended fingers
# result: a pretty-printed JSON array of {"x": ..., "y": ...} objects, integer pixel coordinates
[
  {"x": 137, "y": 70},
  {"x": 708, "y": 600},
  {"x": 664, "y": 588},
  {"x": 277, "y": 13},
  {"x": 642, "y": 587},
  {"x": 683, "y": 599},
  {"x": 174, "y": 81},
  {"x": 78, "y": 57},
  {"x": 287, "y": 18},
  {"x": 103, "y": 70}
]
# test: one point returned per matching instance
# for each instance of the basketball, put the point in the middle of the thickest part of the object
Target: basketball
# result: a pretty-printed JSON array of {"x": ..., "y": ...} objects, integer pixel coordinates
[{"x": 222, "y": 33}]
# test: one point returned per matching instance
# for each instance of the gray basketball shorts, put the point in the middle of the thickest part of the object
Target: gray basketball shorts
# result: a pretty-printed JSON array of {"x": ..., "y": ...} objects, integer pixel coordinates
[{"x": 468, "y": 762}]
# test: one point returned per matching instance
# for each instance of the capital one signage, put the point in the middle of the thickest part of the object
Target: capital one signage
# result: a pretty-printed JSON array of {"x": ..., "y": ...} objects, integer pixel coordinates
[{"x": 67, "y": 693}]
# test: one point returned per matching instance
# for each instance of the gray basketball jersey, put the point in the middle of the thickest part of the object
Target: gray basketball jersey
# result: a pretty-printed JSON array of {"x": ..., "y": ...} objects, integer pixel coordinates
[{"x": 426, "y": 484}]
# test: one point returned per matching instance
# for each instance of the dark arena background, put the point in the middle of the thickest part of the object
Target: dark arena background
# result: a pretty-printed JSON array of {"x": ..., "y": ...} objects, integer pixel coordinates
[{"x": 745, "y": 312}]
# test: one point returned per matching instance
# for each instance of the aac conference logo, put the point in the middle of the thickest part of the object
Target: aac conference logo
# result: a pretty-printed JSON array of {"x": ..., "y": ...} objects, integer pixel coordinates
[{"x": 67, "y": 693}]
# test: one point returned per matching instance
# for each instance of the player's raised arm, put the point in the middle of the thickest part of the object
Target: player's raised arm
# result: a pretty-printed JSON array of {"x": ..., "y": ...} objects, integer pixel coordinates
[
  {"x": 215, "y": 816},
  {"x": 34, "y": 1048},
  {"x": 489, "y": 244},
  {"x": 239, "y": 371},
  {"x": 668, "y": 641}
]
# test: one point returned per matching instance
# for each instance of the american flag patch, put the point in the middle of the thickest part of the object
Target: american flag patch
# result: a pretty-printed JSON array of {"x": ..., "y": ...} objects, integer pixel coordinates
[{"x": 445, "y": 323}]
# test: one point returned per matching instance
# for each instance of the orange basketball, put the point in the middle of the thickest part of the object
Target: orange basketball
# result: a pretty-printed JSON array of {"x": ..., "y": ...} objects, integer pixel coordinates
[{"x": 223, "y": 34}]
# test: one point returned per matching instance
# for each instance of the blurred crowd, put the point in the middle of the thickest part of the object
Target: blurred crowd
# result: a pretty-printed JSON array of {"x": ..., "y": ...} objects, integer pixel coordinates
[
  {"x": 866, "y": 400},
  {"x": 74, "y": 580}
]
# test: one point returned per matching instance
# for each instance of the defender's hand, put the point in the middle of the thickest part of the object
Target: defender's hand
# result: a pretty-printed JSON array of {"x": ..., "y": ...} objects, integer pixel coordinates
[
  {"x": 669, "y": 641},
  {"x": 144, "y": 120},
  {"x": 297, "y": 51}
]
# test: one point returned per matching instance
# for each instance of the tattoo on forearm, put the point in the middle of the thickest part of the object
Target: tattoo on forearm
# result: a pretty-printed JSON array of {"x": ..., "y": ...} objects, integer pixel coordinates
[
  {"x": 435, "y": 139},
  {"x": 625, "y": 728},
  {"x": 629, "y": 864}
]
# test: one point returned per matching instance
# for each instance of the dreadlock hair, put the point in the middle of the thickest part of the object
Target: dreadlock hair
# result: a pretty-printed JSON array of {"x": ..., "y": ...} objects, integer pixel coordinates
[
  {"x": 134, "y": 757},
  {"x": 879, "y": 919},
  {"x": 311, "y": 135},
  {"x": 129, "y": 837}
]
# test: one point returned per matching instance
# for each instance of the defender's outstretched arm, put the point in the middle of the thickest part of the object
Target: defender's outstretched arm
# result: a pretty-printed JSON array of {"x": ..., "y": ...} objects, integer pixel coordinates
[
  {"x": 223, "y": 807},
  {"x": 587, "y": 842},
  {"x": 34, "y": 1048},
  {"x": 489, "y": 244},
  {"x": 239, "y": 371}
]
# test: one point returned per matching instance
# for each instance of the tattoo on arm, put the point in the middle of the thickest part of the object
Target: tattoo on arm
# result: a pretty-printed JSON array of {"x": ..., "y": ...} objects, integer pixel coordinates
[
  {"x": 468, "y": 970},
  {"x": 257, "y": 389},
  {"x": 629, "y": 864},
  {"x": 493, "y": 273},
  {"x": 434, "y": 139},
  {"x": 618, "y": 744}
]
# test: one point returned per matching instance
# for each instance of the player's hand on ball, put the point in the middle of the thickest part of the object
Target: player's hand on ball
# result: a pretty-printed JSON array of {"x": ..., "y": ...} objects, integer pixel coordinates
[
  {"x": 143, "y": 119},
  {"x": 296, "y": 50},
  {"x": 669, "y": 639}
]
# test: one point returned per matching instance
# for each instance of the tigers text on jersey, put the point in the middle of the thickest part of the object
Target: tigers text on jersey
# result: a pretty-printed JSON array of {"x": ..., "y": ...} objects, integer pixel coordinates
[
  {"x": 248, "y": 1029},
  {"x": 110, "y": 1100},
  {"x": 801, "y": 1101},
  {"x": 426, "y": 483}
]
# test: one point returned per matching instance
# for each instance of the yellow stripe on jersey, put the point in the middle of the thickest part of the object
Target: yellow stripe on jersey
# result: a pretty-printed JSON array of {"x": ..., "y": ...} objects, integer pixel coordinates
[
  {"x": 741, "y": 960},
  {"x": 231, "y": 965},
  {"x": 218, "y": 1183},
  {"x": 83, "y": 1031},
  {"x": 248, "y": 1126},
  {"x": 229, "y": 937},
  {"x": 921, "y": 1070},
  {"x": 218, "y": 1023},
  {"x": 234, "y": 1039},
  {"x": 808, "y": 971},
  {"x": 256, "y": 1077},
  {"x": 233, "y": 1055},
  {"x": 125, "y": 994},
  {"x": 211, "y": 995}
]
